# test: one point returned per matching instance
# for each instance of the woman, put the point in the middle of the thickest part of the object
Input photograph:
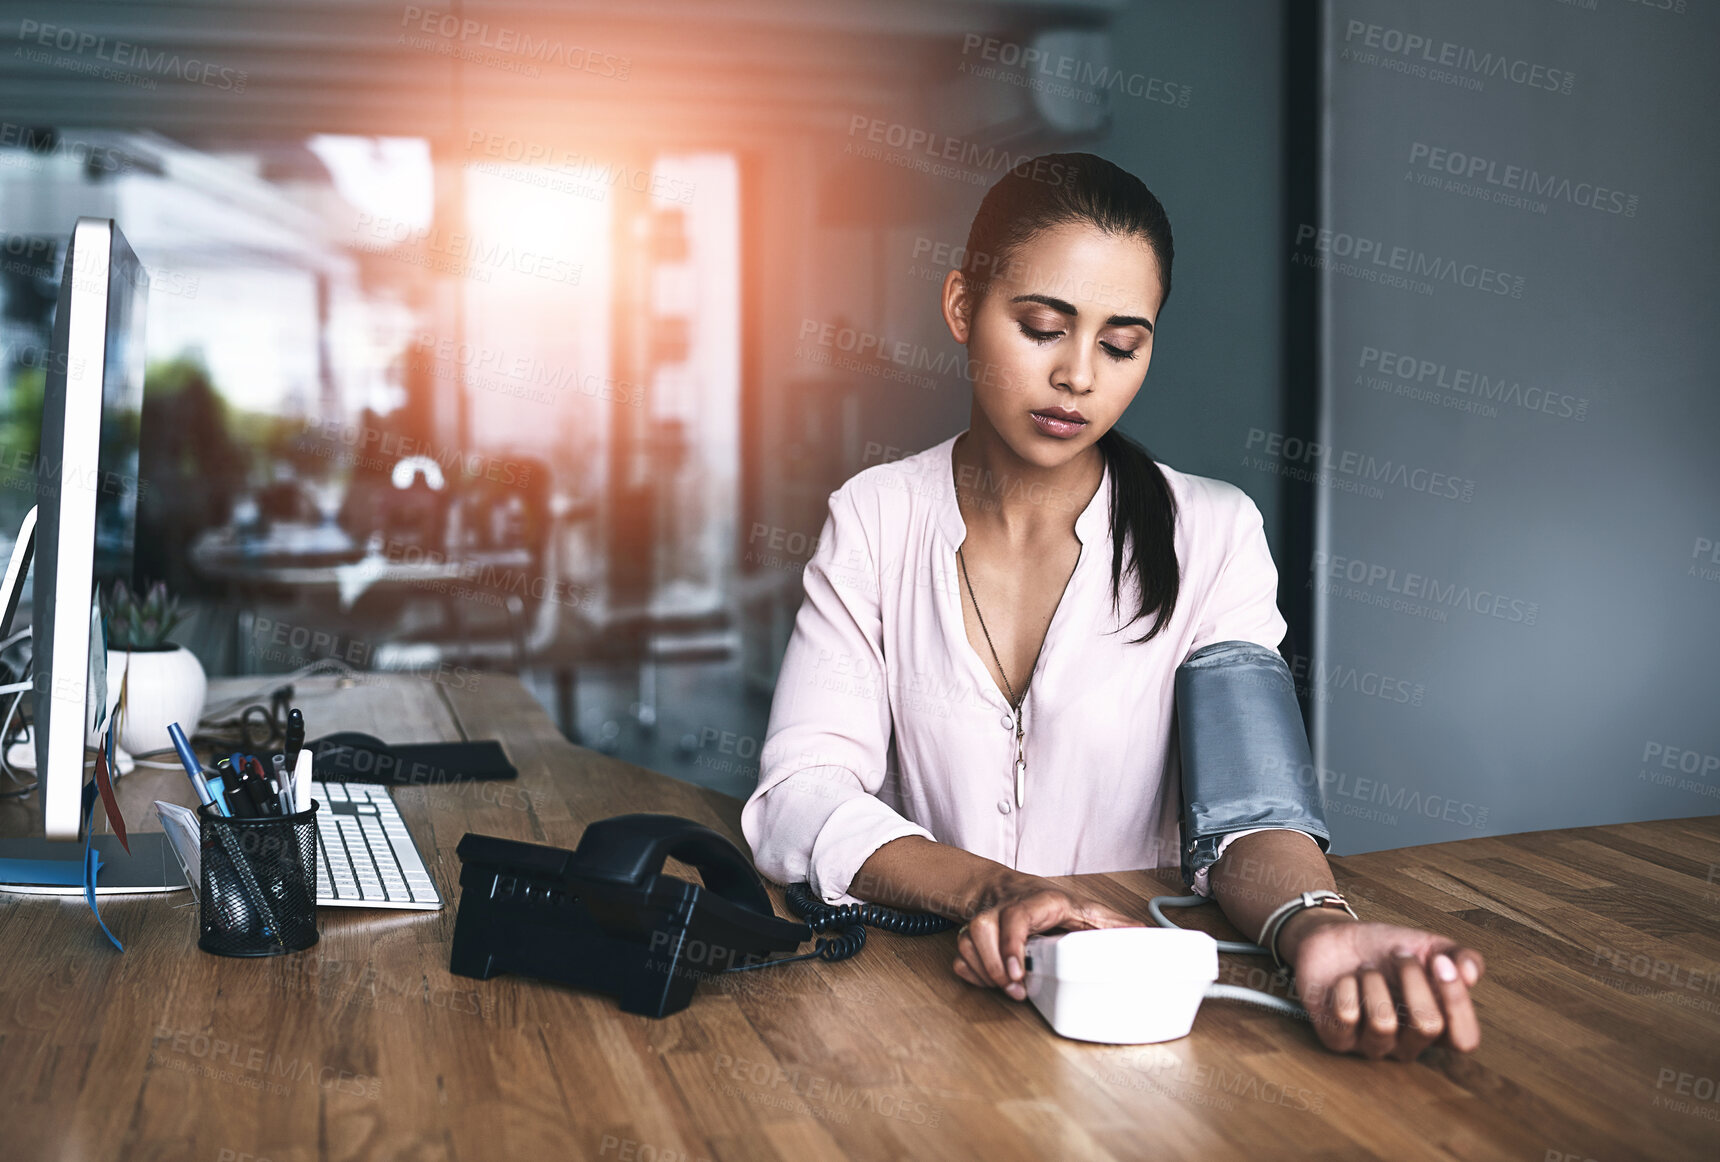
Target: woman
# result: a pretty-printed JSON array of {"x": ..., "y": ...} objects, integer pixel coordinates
[{"x": 978, "y": 691}]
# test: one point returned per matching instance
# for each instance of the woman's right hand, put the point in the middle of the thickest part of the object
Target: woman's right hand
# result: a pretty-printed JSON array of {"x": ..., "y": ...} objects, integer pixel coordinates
[{"x": 991, "y": 946}]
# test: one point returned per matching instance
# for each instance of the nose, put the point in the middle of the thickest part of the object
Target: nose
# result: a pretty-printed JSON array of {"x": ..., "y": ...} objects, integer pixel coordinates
[{"x": 1075, "y": 372}]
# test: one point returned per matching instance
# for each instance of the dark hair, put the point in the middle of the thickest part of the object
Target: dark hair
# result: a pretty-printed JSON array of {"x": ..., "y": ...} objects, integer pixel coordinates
[{"x": 1084, "y": 188}]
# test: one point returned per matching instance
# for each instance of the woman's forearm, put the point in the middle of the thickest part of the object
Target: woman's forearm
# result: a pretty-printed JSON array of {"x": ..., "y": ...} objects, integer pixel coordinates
[
  {"x": 917, "y": 874},
  {"x": 1259, "y": 872}
]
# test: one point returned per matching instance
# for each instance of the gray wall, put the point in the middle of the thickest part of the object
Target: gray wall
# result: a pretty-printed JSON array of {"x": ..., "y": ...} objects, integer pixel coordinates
[
  {"x": 1584, "y": 467},
  {"x": 1217, "y": 165}
]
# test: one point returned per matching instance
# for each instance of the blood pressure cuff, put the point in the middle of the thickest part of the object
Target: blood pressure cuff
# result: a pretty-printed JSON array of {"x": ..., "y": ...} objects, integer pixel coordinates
[{"x": 1245, "y": 758}]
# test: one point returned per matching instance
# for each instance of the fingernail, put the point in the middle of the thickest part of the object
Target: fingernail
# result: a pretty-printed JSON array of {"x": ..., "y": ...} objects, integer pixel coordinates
[
  {"x": 1402, "y": 951},
  {"x": 1014, "y": 969},
  {"x": 1444, "y": 969}
]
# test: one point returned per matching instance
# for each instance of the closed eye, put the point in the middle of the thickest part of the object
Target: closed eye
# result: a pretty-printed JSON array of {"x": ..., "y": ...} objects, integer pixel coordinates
[{"x": 1038, "y": 336}]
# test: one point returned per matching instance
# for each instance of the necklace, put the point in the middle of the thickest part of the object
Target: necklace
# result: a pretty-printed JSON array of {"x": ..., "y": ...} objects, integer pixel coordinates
[{"x": 1014, "y": 702}]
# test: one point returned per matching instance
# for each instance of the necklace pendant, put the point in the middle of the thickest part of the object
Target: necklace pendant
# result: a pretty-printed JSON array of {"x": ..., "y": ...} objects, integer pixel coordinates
[{"x": 1020, "y": 781}]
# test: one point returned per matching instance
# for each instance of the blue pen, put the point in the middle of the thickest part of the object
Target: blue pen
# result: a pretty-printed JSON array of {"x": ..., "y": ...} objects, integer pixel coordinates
[
  {"x": 188, "y": 758},
  {"x": 218, "y": 789}
]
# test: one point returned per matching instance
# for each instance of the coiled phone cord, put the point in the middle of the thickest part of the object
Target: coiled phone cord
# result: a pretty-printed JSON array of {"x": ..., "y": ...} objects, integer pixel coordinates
[
  {"x": 853, "y": 919},
  {"x": 1226, "y": 992}
]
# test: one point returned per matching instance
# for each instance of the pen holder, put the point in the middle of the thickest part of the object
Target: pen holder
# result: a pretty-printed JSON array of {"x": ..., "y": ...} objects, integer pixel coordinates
[{"x": 259, "y": 883}]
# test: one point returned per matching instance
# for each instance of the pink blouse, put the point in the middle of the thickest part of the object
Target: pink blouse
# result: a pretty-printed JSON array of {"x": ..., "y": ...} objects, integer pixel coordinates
[{"x": 886, "y": 722}]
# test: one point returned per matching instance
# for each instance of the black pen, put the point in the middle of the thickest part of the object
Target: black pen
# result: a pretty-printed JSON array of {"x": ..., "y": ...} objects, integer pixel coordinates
[
  {"x": 239, "y": 803},
  {"x": 254, "y": 794},
  {"x": 295, "y": 737}
]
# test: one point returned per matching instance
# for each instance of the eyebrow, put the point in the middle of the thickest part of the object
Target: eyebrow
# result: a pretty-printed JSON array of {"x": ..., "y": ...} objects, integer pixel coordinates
[{"x": 1064, "y": 308}]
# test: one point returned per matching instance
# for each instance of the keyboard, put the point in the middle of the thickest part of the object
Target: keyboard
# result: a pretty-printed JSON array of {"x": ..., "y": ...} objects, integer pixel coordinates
[{"x": 365, "y": 855}]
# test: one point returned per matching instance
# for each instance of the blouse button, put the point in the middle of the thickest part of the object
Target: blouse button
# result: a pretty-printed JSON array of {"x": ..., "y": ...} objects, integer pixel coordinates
[
  {"x": 1003, "y": 806},
  {"x": 1008, "y": 722}
]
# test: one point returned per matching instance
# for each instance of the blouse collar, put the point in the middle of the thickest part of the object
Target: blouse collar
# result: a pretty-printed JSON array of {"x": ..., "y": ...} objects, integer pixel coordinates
[{"x": 1090, "y": 526}]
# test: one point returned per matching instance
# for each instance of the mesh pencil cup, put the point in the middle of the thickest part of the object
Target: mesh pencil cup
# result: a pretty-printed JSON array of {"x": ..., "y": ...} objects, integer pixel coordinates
[{"x": 259, "y": 883}]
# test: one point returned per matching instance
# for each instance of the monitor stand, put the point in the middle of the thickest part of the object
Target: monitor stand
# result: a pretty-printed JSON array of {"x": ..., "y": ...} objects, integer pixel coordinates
[{"x": 151, "y": 866}]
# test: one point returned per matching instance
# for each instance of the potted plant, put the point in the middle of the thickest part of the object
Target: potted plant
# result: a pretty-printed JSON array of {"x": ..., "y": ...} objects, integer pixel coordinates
[{"x": 159, "y": 682}]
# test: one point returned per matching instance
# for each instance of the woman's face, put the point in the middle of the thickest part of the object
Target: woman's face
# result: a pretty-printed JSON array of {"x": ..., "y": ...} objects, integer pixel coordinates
[{"x": 1065, "y": 330}]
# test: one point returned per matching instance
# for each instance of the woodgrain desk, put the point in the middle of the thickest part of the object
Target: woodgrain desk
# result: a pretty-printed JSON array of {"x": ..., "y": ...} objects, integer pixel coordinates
[{"x": 1600, "y": 1015}]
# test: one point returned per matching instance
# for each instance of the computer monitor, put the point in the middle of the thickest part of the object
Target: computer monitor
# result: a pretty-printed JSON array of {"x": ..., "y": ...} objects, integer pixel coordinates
[
  {"x": 86, "y": 501},
  {"x": 85, "y": 521}
]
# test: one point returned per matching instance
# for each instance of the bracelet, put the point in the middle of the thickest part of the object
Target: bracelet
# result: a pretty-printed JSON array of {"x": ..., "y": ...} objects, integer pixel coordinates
[{"x": 1320, "y": 898}]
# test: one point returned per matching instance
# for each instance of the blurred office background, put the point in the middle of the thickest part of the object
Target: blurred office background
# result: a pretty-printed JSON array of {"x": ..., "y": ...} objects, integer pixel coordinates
[{"x": 530, "y": 338}]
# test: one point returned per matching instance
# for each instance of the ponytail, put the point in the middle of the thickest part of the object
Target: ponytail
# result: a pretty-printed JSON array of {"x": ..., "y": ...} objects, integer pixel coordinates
[{"x": 1142, "y": 510}]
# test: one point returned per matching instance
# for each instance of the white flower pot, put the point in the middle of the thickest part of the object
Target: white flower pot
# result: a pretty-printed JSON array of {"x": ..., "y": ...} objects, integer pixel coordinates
[{"x": 161, "y": 686}]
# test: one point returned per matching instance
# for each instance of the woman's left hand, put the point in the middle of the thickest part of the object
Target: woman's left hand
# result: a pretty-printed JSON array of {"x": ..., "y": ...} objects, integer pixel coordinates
[{"x": 1381, "y": 990}]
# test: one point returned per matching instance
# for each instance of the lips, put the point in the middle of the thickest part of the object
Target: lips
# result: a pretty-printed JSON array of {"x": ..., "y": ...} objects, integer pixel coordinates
[{"x": 1059, "y": 423}]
